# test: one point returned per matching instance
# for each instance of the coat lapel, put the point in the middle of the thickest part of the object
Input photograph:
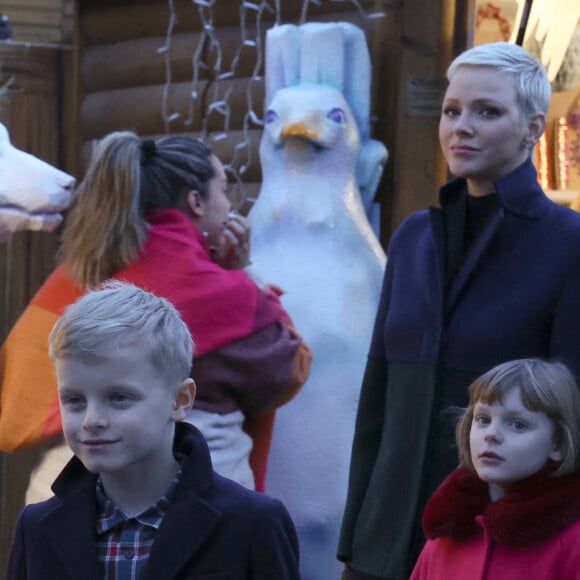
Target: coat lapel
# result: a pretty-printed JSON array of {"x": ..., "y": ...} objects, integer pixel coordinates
[
  {"x": 189, "y": 520},
  {"x": 70, "y": 527},
  {"x": 183, "y": 531},
  {"x": 437, "y": 218}
]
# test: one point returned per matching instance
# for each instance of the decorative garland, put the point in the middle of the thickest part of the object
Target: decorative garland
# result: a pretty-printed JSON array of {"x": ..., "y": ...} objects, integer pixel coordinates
[
  {"x": 543, "y": 162},
  {"x": 493, "y": 12},
  {"x": 562, "y": 153},
  {"x": 573, "y": 122}
]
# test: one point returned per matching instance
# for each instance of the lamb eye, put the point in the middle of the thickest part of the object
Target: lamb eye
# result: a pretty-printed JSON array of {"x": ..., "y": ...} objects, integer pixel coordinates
[
  {"x": 337, "y": 115},
  {"x": 270, "y": 117}
]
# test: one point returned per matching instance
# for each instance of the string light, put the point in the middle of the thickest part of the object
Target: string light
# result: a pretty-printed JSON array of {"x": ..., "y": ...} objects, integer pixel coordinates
[
  {"x": 211, "y": 96},
  {"x": 563, "y": 163}
]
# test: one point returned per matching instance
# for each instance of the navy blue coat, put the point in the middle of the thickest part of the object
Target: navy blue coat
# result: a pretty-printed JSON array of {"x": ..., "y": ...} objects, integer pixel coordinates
[
  {"x": 214, "y": 528},
  {"x": 515, "y": 295}
]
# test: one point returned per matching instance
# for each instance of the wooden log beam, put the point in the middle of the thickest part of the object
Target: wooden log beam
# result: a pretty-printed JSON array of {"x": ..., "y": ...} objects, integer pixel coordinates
[
  {"x": 141, "y": 62},
  {"x": 112, "y": 21},
  {"x": 237, "y": 149},
  {"x": 108, "y": 111}
]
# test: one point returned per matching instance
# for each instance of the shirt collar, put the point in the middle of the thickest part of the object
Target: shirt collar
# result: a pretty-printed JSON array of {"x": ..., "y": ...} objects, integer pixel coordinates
[{"x": 110, "y": 516}]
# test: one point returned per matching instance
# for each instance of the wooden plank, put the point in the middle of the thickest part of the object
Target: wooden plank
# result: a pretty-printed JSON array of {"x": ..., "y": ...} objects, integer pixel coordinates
[
  {"x": 225, "y": 149},
  {"x": 33, "y": 16},
  {"x": 141, "y": 62},
  {"x": 112, "y": 21},
  {"x": 108, "y": 111},
  {"x": 30, "y": 67},
  {"x": 41, "y": 4},
  {"x": 37, "y": 21},
  {"x": 32, "y": 117},
  {"x": 32, "y": 33}
]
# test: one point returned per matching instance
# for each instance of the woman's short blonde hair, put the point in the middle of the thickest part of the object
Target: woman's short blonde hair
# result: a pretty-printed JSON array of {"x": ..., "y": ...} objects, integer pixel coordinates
[
  {"x": 544, "y": 386},
  {"x": 531, "y": 80}
]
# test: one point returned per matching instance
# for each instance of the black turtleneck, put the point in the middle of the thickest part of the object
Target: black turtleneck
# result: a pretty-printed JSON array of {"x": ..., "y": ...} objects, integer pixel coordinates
[
  {"x": 478, "y": 212},
  {"x": 466, "y": 220}
]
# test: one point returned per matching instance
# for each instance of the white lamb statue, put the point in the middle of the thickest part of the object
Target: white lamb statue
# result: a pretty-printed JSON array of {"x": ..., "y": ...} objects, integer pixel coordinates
[
  {"x": 312, "y": 238},
  {"x": 32, "y": 192}
]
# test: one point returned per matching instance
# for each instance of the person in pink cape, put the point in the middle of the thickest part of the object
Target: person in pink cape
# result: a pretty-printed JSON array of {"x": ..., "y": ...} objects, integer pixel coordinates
[{"x": 156, "y": 214}]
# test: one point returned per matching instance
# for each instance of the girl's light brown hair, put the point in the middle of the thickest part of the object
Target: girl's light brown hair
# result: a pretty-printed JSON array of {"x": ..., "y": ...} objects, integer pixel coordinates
[
  {"x": 544, "y": 386},
  {"x": 106, "y": 226}
]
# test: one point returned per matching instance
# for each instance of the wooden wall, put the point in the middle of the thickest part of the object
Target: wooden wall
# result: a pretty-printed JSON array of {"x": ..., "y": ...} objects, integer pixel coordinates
[
  {"x": 40, "y": 21},
  {"x": 32, "y": 110},
  {"x": 123, "y": 73},
  {"x": 420, "y": 39}
]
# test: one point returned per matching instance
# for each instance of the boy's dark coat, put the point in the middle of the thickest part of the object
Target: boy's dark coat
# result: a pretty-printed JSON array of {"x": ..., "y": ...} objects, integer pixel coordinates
[{"x": 214, "y": 528}]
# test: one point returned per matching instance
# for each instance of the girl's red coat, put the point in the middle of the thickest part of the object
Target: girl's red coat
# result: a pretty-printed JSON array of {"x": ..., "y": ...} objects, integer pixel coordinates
[{"x": 531, "y": 533}]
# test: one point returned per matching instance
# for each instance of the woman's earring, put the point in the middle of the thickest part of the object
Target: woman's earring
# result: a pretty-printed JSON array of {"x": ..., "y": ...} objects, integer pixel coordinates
[
  {"x": 205, "y": 234},
  {"x": 528, "y": 144}
]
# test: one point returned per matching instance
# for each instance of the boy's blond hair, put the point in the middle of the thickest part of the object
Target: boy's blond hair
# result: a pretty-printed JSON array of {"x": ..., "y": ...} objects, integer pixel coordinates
[
  {"x": 118, "y": 313},
  {"x": 544, "y": 386}
]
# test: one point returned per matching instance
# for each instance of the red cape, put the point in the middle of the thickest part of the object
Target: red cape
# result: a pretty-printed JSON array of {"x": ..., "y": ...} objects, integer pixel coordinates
[{"x": 219, "y": 306}]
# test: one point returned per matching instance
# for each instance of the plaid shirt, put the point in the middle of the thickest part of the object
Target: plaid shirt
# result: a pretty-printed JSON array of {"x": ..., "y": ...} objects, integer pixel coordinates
[{"x": 124, "y": 542}]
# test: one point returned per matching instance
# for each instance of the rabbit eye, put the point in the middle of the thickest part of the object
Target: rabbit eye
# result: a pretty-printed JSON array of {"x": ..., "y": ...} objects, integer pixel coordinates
[{"x": 337, "y": 115}]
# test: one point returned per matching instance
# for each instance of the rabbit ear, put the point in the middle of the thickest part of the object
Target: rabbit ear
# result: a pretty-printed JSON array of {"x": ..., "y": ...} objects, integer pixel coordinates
[
  {"x": 282, "y": 58},
  {"x": 322, "y": 55},
  {"x": 357, "y": 77}
]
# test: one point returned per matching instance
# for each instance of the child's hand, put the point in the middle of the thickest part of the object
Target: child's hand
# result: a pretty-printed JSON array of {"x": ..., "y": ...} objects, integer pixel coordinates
[{"x": 232, "y": 251}]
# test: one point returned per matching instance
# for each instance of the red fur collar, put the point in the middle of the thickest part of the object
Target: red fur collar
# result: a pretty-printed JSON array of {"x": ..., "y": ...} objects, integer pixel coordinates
[{"x": 533, "y": 510}]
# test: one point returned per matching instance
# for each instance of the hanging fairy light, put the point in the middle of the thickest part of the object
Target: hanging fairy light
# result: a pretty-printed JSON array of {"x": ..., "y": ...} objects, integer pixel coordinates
[{"x": 214, "y": 80}]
